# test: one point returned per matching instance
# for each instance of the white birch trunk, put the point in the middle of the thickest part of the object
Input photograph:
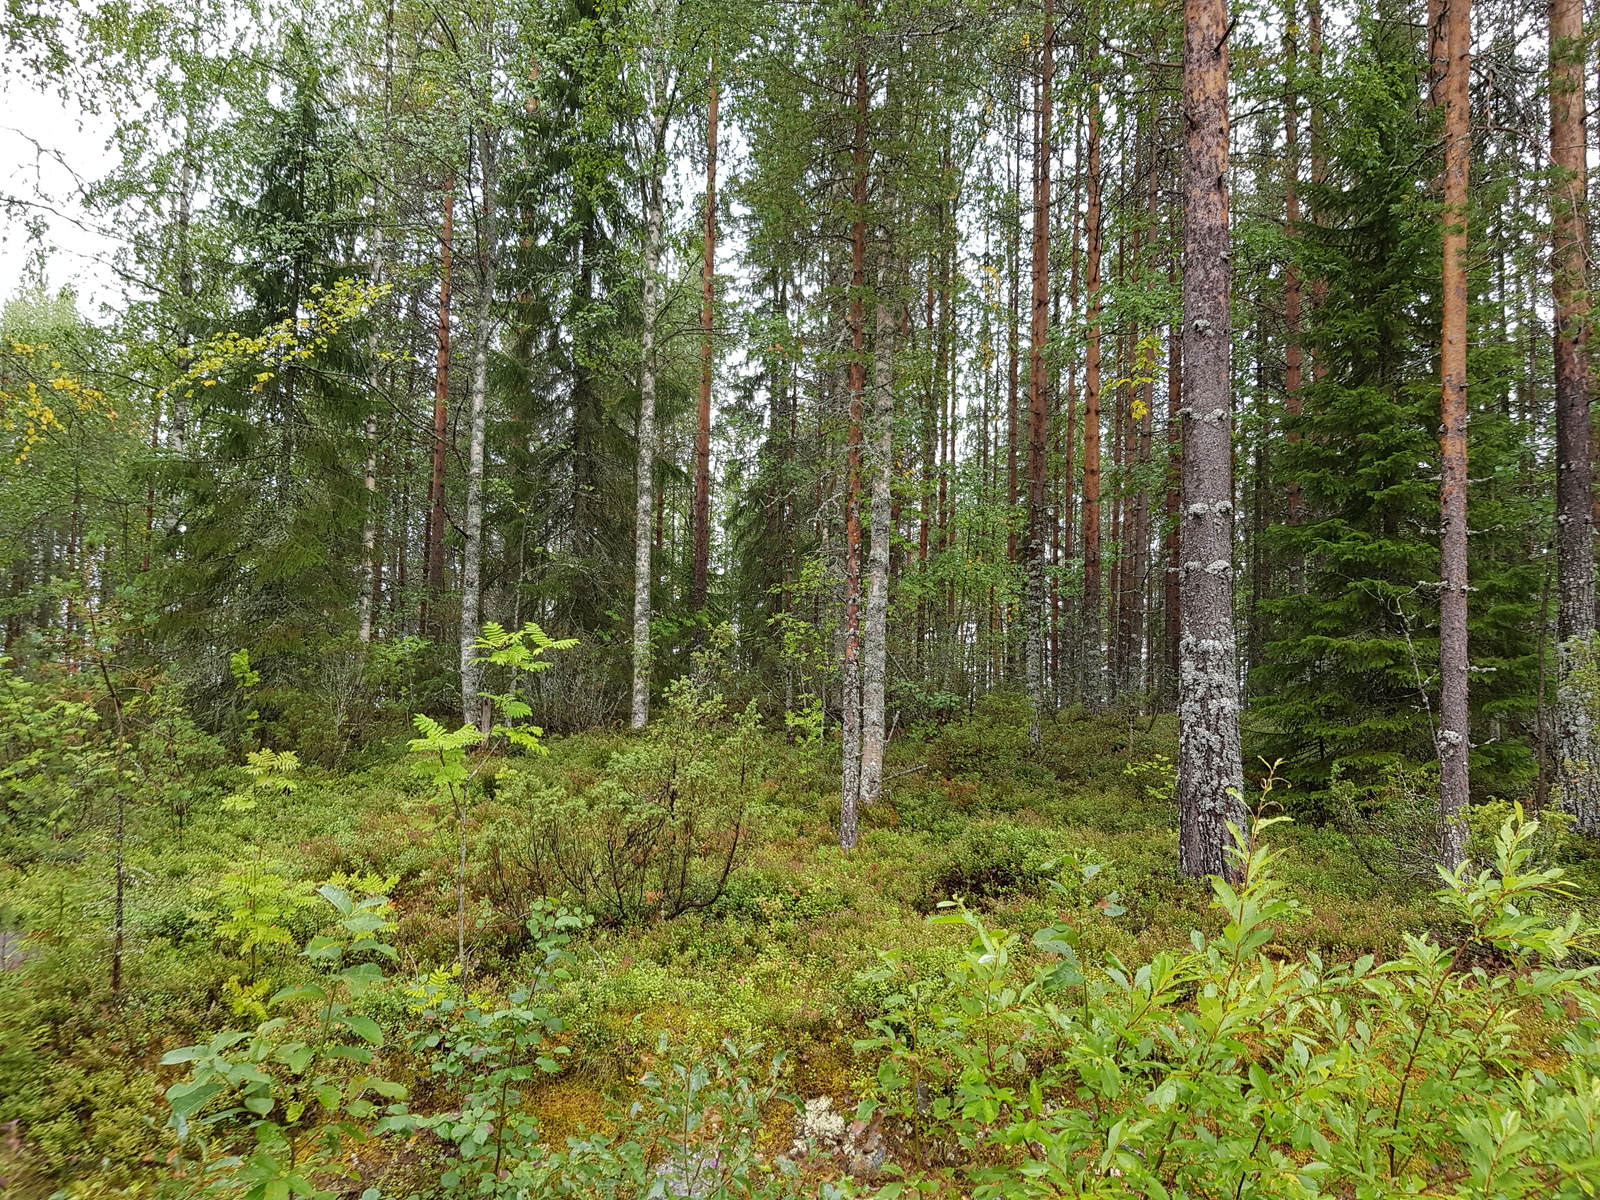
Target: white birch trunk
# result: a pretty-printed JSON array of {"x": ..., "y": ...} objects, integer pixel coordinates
[
  {"x": 369, "y": 527},
  {"x": 644, "y": 507},
  {"x": 875, "y": 635},
  {"x": 473, "y": 708}
]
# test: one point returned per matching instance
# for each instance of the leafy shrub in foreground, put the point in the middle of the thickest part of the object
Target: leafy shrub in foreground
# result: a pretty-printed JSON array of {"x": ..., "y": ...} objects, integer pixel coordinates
[{"x": 1462, "y": 1068}]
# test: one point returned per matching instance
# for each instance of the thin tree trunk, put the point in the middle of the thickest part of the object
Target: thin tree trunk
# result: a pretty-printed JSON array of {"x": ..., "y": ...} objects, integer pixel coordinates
[
  {"x": 1577, "y": 763},
  {"x": 369, "y": 524},
  {"x": 1038, "y": 386},
  {"x": 1319, "y": 156},
  {"x": 850, "y": 700},
  {"x": 875, "y": 639},
  {"x": 702, "y": 439},
  {"x": 1172, "y": 600},
  {"x": 1013, "y": 336},
  {"x": 474, "y": 709},
  {"x": 433, "y": 547},
  {"x": 1210, "y": 773},
  {"x": 178, "y": 423},
  {"x": 1292, "y": 355},
  {"x": 1093, "y": 653},
  {"x": 1455, "y": 21},
  {"x": 644, "y": 502}
]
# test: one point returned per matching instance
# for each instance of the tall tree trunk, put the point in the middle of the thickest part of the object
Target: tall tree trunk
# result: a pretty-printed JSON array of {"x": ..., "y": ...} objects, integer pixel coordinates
[
  {"x": 1577, "y": 761},
  {"x": 1319, "y": 156},
  {"x": 644, "y": 501},
  {"x": 1210, "y": 773},
  {"x": 433, "y": 540},
  {"x": 1172, "y": 601},
  {"x": 474, "y": 709},
  {"x": 1093, "y": 653},
  {"x": 1455, "y": 20},
  {"x": 1038, "y": 386},
  {"x": 702, "y": 437},
  {"x": 1292, "y": 355},
  {"x": 850, "y": 700},
  {"x": 875, "y": 638},
  {"x": 1013, "y": 334},
  {"x": 370, "y": 562}
]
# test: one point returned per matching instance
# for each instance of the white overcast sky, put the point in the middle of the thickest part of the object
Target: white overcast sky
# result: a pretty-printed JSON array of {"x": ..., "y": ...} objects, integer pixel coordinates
[{"x": 36, "y": 129}]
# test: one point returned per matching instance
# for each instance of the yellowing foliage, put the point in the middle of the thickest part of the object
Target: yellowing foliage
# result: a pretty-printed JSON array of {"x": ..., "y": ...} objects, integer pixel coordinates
[
  {"x": 291, "y": 340},
  {"x": 33, "y": 405}
]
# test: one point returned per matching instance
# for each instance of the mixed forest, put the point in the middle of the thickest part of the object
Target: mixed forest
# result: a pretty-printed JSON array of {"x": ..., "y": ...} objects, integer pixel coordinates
[{"x": 899, "y": 598}]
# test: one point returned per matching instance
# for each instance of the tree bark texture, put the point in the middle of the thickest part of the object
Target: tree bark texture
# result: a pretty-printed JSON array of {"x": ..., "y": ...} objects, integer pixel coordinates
[
  {"x": 1576, "y": 762},
  {"x": 474, "y": 708},
  {"x": 433, "y": 549},
  {"x": 875, "y": 635},
  {"x": 371, "y": 563},
  {"x": 1038, "y": 387},
  {"x": 644, "y": 503},
  {"x": 1454, "y": 27},
  {"x": 1210, "y": 773},
  {"x": 702, "y": 436},
  {"x": 1293, "y": 361},
  {"x": 1093, "y": 653},
  {"x": 850, "y": 699}
]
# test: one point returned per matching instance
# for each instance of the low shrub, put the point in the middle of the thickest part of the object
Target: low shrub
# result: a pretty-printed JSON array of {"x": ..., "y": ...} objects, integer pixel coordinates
[
  {"x": 994, "y": 859},
  {"x": 1472, "y": 1065}
]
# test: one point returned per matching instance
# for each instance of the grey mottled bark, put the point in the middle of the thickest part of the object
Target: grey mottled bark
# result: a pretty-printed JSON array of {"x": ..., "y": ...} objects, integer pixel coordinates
[
  {"x": 1577, "y": 765},
  {"x": 875, "y": 634},
  {"x": 369, "y": 524},
  {"x": 850, "y": 672},
  {"x": 1210, "y": 773}
]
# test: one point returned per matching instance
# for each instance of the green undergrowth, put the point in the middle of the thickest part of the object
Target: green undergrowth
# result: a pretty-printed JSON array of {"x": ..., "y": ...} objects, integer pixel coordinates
[{"x": 742, "y": 925}]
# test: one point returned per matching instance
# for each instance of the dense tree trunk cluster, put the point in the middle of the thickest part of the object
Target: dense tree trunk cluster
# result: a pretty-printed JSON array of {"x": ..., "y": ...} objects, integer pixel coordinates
[{"x": 1096, "y": 360}]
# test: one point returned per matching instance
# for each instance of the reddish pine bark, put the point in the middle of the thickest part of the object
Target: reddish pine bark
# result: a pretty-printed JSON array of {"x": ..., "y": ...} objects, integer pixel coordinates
[
  {"x": 702, "y": 436},
  {"x": 1453, "y": 30},
  {"x": 1210, "y": 773},
  {"x": 1093, "y": 654},
  {"x": 1038, "y": 382}
]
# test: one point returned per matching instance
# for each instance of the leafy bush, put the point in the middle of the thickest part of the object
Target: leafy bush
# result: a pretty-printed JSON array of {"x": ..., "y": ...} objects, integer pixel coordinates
[
  {"x": 1223, "y": 1071},
  {"x": 990, "y": 744},
  {"x": 296, "y": 1097},
  {"x": 661, "y": 833},
  {"x": 993, "y": 860}
]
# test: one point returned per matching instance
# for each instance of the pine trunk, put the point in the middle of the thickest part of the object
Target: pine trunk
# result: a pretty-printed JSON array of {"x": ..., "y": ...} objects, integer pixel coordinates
[
  {"x": 1038, "y": 387},
  {"x": 1093, "y": 653},
  {"x": 1210, "y": 773},
  {"x": 1454, "y": 27},
  {"x": 1293, "y": 360}
]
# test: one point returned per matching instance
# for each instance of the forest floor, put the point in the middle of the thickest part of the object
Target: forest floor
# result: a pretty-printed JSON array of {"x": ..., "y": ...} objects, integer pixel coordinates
[{"x": 790, "y": 956}]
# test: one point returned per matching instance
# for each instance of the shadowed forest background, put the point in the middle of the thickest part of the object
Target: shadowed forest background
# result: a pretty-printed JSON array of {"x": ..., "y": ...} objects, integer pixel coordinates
[{"x": 907, "y": 599}]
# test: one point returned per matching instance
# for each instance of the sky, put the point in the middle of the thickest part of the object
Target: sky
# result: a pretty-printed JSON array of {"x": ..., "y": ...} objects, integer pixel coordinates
[{"x": 38, "y": 130}]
